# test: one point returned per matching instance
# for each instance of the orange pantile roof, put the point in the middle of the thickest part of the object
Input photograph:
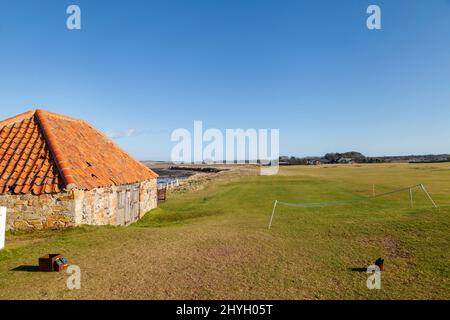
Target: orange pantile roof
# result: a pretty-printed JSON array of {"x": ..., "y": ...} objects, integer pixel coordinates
[{"x": 43, "y": 152}]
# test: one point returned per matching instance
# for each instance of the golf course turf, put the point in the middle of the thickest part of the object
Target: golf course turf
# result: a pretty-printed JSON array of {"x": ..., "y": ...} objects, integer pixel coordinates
[{"x": 214, "y": 243}]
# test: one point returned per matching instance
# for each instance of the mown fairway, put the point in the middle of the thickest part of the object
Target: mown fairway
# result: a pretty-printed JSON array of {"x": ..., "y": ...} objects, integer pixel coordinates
[{"x": 214, "y": 243}]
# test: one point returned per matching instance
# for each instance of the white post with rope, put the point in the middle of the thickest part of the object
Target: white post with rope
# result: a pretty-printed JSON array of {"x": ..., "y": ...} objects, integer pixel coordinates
[
  {"x": 411, "y": 197},
  {"x": 273, "y": 213},
  {"x": 428, "y": 195}
]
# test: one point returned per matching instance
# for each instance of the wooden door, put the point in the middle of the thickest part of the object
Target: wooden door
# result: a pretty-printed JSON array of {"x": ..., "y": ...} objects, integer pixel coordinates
[
  {"x": 128, "y": 218},
  {"x": 128, "y": 205},
  {"x": 135, "y": 203},
  {"x": 121, "y": 205}
]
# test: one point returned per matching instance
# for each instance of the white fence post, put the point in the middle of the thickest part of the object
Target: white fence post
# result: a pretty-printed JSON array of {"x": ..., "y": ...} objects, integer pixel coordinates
[{"x": 2, "y": 227}]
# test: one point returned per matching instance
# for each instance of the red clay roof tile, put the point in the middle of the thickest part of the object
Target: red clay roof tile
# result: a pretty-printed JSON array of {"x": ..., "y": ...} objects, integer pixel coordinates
[{"x": 43, "y": 152}]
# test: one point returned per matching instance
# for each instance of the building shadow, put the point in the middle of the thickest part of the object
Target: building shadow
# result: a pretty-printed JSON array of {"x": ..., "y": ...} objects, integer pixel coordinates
[{"x": 27, "y": 269}]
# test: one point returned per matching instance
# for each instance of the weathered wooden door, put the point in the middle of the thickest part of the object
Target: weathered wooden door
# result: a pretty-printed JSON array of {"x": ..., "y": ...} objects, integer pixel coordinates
[
  {"x": 127, "y": 219},
  {"x": 128, "y": 205},
  {"x": 135, "y": 203}
]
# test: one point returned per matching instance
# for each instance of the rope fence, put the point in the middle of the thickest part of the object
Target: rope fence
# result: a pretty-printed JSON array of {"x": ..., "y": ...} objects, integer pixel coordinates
[{"x": 354, "y": 200}]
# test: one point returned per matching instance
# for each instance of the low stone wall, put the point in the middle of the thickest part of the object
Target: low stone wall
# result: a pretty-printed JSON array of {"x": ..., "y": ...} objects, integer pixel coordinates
[
  {"x": 77, "y": 207},
  {"x": 30, "y": 212}
]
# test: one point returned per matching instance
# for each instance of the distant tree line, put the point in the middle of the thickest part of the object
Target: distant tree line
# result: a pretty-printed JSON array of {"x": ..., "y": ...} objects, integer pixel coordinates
[{"x": 357, "y": 157}]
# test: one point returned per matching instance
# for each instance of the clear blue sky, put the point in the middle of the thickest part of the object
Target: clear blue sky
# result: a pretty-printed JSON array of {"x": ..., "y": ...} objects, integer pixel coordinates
[{"x": 310, "y": 68}]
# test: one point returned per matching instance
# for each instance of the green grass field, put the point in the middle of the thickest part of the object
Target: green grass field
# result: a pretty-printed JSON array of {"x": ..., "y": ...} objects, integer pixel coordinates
[{"x": 214, "y": 242}]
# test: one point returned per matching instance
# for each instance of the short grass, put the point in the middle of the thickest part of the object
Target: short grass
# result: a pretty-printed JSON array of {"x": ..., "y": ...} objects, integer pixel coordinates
[{"x": 214, "y": 243}]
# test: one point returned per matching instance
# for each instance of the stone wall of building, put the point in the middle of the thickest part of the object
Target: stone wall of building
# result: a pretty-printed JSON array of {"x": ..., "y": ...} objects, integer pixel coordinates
[
  {"x": 148, "y": 197},
  {"x": 95, "y": 207},
  {"x": 76, "y": 207},
  {"x": 100, "y": 206},
  {"x": 30, "y": 212}
]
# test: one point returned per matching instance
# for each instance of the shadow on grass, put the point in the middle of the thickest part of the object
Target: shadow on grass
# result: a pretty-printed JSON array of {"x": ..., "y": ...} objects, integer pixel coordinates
[
  {"x": 358, "y": 269},
  {"x": 27, "y": 269}
]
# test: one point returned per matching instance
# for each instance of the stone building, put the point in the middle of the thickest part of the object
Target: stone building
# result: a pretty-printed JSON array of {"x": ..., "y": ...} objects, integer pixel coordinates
[{"x": 58, "y": 172}]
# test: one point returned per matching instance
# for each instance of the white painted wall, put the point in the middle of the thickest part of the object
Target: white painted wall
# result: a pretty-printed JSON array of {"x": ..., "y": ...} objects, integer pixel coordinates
[{"x": 2, "y": 227}]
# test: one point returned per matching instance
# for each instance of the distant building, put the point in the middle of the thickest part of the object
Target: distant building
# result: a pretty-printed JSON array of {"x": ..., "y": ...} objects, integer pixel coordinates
[
  {"x": 345, "y": 161},
  {"x": 58, "y": 172},
  {"x": 313, "y": 162},
  {"x": 324, "y": 161}
]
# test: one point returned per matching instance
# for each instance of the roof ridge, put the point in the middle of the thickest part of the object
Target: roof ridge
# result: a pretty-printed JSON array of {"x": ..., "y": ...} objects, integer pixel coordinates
[
  {"x": 32, "y": 112},
  {"x": 60, "y": 116},
  {"x": 60, "y": 160},
  {"x": 19, "y": 117}
]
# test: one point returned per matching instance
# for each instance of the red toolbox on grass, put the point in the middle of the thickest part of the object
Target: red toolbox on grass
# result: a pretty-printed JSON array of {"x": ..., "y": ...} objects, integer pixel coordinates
[{"x": 52, "y": 262}]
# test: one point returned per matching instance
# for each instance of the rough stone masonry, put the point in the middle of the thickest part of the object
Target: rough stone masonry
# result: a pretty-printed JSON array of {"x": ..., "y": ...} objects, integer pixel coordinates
[{"x": 99, "y": 206}]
